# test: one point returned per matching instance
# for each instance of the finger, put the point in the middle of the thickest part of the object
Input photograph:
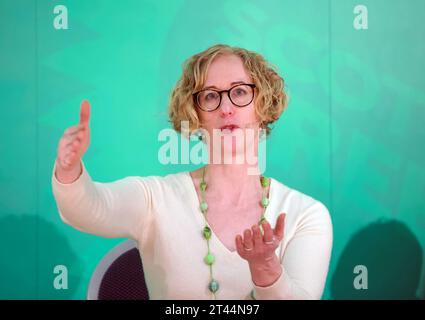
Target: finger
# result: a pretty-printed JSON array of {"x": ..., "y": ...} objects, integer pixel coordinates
[
  {"x": 69, "y": 140},
  {"x": 76, "y": 135},
  {"x": 73, "y": 129},
  {"x": 239, "y": 244},
  {"x": 62, "y": 143},
  {"x": 258, "y": 237},
  {"x": 85, "y": 113},
  {"x": 71, "y": 156},
  {"x": 67, "y": 153},
  {"x": 247, "y": 240},
  {"x": 268, "y": 232},
  {"x": 278, "y": 231},
  {"x": 73, "y": 145},
  {"x": 63, "y": 149},
  {"x": 65, "y": 145}
]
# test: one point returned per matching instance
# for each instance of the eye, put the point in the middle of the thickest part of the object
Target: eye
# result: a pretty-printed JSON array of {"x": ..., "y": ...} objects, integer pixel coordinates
[
  {"x": 210, "y": 96},
  {"x": 239, "y": 92}
]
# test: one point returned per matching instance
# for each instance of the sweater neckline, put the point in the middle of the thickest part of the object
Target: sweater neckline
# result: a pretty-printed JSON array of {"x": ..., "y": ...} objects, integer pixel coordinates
[{"x": 198, "y": 214}]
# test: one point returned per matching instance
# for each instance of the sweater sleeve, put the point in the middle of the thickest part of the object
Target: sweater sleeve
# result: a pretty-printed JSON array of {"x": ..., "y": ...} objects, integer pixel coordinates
[
  {"x": 112, "y": 210},
  {"x": 305, "y": 260}
]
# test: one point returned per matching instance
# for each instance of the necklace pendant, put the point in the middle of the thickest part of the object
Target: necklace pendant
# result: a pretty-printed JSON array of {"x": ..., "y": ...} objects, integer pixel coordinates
[
  {"x": 209, "y": 259},
  {"x": 264, "y": 182},
  {"x": 264, "y": 202},
  {"x": 213, "y": 286},
  {"x": 207, "y": 232},
  {"x": 204, "y": 206}
]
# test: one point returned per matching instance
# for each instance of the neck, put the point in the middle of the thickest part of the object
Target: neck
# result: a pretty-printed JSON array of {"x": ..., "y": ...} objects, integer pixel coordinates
[
  {"x": 236, "y": 183},
  {"x": 232, "y": 184}
]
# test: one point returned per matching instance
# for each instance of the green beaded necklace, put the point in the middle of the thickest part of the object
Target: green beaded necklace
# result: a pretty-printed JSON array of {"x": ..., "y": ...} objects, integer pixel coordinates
[{"x": 209, "y": 258}]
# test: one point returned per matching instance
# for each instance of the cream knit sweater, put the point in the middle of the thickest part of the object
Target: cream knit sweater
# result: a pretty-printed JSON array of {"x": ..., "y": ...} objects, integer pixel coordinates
[{"x": 162, "y": 214}]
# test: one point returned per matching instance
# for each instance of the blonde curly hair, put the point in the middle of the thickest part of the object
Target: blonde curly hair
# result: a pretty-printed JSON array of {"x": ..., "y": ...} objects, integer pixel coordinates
[{"x": 270, "y": 98}]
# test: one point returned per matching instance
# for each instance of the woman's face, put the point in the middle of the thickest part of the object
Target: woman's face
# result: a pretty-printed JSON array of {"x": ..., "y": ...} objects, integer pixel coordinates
[{"x": 226, "y": 71}]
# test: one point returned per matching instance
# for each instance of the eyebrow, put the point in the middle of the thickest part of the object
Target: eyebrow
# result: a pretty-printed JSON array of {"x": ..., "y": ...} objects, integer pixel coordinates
[{"x": 232, "y": 84}]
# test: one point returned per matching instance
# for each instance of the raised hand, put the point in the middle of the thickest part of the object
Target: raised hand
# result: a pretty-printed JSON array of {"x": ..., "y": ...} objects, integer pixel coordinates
[
  {"x": 73, "y": 144},
  {"x": 259, "y": 248}
]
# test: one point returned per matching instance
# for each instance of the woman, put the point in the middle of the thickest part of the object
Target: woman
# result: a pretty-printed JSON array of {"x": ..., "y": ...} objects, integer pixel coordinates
[{"x": 219, "y": 232}]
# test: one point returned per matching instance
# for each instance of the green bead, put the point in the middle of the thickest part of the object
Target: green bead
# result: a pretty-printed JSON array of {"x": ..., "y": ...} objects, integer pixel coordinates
[
  {"x": 253, "y": 295},
  {"x": 213, "y": 286},
  {"x": 209, "y": 259},
  {"x": 265, "y": 182},
  {"x": 203, "y": 186},
  {"x": 264, "y": 202},
  {"x": 204, "y": 206},
  {"x": 207, "y": 232}
]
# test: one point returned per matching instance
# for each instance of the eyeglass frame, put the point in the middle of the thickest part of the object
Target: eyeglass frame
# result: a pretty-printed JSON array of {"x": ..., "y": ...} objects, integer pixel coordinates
[{"x": 251, "y": 85}]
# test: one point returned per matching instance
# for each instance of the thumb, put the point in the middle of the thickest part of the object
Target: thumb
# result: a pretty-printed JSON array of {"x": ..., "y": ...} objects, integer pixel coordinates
[{"x": 85, "y": 112}]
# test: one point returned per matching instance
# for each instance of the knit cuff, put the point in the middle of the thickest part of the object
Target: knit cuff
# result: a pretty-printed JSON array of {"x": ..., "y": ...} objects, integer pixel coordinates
[
  {"x": 279, "y": 290},
  {"x": 81, "y": 178}
]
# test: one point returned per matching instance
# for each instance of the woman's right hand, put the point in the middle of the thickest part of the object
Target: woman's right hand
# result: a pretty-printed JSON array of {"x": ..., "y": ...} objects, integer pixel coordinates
[{"x": 72, "y": 146}]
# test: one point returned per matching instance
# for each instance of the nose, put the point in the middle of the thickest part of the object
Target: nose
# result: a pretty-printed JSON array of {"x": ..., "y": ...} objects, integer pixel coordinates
[{"x": 226, "y": 106}]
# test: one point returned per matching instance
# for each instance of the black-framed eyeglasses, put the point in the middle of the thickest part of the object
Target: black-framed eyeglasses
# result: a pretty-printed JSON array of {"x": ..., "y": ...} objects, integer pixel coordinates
[{"x": 240, "y": 95}]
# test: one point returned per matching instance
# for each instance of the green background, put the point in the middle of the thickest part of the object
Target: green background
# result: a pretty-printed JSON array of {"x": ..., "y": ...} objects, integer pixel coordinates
[{"x": 352, "y": 136}]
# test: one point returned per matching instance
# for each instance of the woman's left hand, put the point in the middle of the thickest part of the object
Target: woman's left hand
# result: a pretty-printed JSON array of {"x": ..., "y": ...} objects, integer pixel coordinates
[{"x": 257, "y": 248}]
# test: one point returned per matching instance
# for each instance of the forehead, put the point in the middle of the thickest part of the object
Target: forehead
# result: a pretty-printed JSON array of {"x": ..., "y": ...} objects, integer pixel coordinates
[{"x": 224, "y": 70}]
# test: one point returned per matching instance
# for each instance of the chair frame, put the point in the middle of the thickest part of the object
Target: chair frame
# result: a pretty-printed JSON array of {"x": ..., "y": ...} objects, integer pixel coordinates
[{"x": 104, "y": 264}]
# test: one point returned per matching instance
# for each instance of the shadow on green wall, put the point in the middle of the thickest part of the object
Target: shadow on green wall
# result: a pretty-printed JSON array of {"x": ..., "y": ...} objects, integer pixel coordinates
[
  {"x": 28, "y": 261},
  {"x": 392, "y": 256}
]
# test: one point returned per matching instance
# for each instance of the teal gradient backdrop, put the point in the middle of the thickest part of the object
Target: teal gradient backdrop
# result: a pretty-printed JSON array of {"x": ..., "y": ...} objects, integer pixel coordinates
[{"x": 352, "y": 136}]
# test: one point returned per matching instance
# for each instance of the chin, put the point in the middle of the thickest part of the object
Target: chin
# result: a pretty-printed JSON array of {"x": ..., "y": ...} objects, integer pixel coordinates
[{"x": 233, "y": 151}]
